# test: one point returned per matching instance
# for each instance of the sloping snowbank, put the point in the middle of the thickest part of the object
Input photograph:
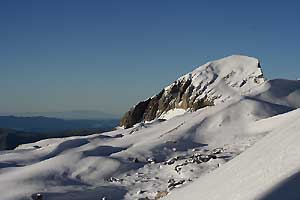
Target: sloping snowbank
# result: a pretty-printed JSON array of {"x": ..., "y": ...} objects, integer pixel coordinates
[
  {"x": 60, "y": 168},
  {"x": 268, "y": 170}
]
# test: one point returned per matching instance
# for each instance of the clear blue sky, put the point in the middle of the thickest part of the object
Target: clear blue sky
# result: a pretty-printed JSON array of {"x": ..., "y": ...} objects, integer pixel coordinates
[{"x": 61, "y": 55}]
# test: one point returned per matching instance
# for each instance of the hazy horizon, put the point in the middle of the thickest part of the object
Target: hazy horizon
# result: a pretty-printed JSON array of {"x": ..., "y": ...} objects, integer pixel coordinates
[
  {"x": 59, "y": 56},
  {"x": 71, "y": 114}
]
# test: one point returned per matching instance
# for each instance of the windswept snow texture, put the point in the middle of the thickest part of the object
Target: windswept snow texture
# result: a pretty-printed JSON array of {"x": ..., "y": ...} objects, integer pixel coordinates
[
  {"x": 282, "y": 92},
  {"x": 225, "y": 78},
  {"x": 183, "y": 148},
  {"x": 269, "y": 170}
]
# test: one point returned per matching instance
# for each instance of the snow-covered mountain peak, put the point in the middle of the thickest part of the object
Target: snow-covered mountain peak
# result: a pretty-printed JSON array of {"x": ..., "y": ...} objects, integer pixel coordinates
[
  {"x": 240, "y": 73},
  {"x": 239, "y": 63},
  {"x": 209, "y": 84}
]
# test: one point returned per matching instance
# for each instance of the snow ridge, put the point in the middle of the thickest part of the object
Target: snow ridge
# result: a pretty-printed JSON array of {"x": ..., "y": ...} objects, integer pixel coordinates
[
  {"x": 268, "y": 170},
  {"x": 221, "y": 79}
]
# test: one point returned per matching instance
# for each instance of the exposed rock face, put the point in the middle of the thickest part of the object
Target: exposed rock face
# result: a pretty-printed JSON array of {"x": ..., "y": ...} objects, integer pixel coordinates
[
  {"x": 135, "y": 115},
  {"x": 207, "y": 85},
  {"x": 177, "y": 96}
]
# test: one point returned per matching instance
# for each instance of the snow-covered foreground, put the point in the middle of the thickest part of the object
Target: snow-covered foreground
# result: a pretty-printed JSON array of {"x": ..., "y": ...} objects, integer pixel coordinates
[
  {"x": 179, "y": 149},
  {"x": 119, "y": 164},
  {"x": 269, "y": 170}
]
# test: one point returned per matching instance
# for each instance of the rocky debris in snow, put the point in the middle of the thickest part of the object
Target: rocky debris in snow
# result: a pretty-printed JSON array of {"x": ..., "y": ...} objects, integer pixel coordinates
[
  {"x": 199, "y": 158},
  {"x": 172, "y": 183},
  {"x": 140, "y": 174},
  {"x": 160, "y": 194},
  {"x": 119, "y": 135},
  {"x": 151, "y": 160},
  {"x": 217, "y": 151},
  {"x": 160, "y": 175},
  {"x": 179, "y": 167},
  {"x": 141, "y": 191},
  {"x": 171, "y": 161},
  {"x": 135, "y": 160},
  {"x": 113, "y": 179},
  {"x": 196, "y": 157}
]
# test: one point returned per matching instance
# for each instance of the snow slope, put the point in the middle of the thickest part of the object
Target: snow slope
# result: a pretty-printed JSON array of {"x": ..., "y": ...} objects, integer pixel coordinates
[
  {"x": 267, "y": 170},
  {"x": 152, "y": 159},
  {"x": 79, "y": 167},
  {"x": 280, "y": 91},
  {"x": 50, "y": 167}
]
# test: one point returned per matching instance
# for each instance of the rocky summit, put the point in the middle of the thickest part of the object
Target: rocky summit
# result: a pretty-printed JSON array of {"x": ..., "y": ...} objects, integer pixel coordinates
[{"x": 207, "y": 85}]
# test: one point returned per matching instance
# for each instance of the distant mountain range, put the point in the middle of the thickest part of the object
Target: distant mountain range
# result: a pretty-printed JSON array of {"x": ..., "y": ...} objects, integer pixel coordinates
[
  {"x": 20, "y": 130},
  {"x": 47, "y": 124},
  {"x": 75, "y": 114}
]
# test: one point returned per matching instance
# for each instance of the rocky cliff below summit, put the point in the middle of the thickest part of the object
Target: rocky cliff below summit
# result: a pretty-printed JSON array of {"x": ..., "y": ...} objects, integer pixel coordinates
[{"x": 207, "y": 85}]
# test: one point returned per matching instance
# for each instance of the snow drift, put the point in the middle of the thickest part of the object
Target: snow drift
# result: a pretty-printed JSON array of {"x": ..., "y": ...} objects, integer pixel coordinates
[{"x": 269, "y": 170}]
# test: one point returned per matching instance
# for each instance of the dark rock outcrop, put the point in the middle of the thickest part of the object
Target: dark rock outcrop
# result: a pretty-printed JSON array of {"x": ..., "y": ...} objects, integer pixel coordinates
[
  {"x": 135, "y": 115},
  {"x": 178, "y": 95}
]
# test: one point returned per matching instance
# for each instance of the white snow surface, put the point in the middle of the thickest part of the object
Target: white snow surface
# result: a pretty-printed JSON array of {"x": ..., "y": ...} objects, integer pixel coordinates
[
  {"x": 225, "y": 78},
  {"x": 269, "y": 170},
  {"x": 153, "y": 159},
  {"x": 172, "y": 113},
  {"x": 280, "y": 91}
]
